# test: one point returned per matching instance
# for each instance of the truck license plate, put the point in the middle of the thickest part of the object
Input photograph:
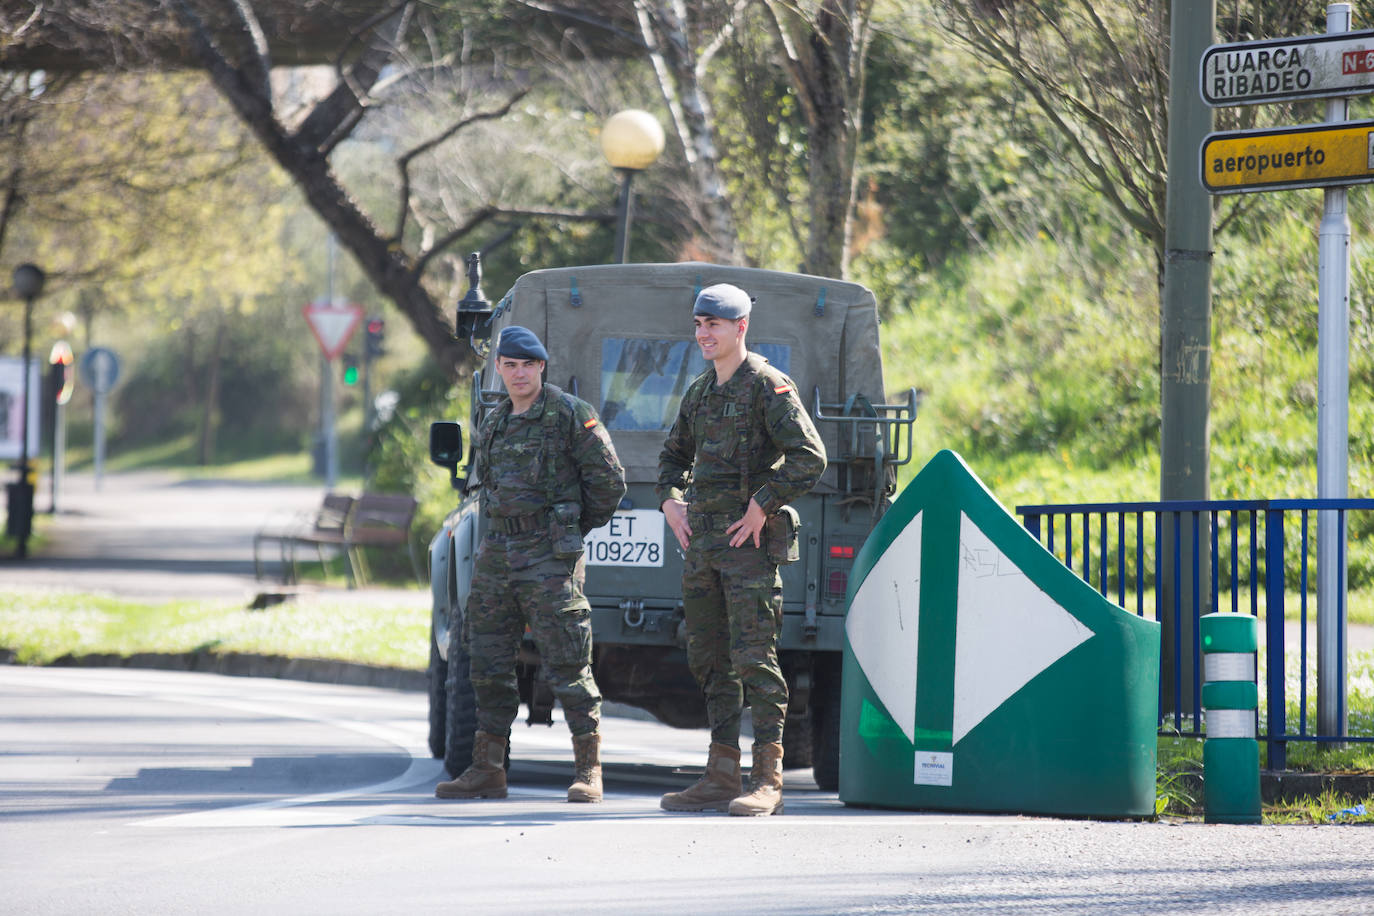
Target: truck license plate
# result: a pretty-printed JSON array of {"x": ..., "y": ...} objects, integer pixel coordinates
[{"x": 633, "y": 537}]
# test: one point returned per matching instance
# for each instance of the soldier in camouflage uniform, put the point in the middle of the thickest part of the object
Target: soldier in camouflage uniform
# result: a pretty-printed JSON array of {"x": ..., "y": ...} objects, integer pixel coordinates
[
  {"x": 550, "y": 475},
  {"x": 742, "y": 447}
]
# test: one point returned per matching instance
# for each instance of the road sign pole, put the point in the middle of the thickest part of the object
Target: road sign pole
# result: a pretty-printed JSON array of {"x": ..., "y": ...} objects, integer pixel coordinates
[
  {"x": 99, "y": 439},
  {"x": 59, "y": 453},
  {"x": 1333, "y": 410}
]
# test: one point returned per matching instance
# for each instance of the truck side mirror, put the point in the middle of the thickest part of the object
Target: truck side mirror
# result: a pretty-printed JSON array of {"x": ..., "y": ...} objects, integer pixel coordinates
[{"x": 446, "y": 449}]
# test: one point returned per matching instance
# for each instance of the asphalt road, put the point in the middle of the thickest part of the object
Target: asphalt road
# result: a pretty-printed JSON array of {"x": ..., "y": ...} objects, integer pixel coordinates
[{"x": 157, "y": 792}]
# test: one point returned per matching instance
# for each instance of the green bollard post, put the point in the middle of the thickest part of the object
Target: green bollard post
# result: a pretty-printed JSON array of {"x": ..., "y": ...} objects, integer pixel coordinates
[{"x": 1230, "y": 698}]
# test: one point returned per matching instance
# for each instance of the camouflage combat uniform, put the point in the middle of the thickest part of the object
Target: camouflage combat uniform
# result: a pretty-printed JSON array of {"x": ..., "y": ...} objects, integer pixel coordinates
[
  {"x": 554, "y": 458},
  {"x": 732, "y": 596}
]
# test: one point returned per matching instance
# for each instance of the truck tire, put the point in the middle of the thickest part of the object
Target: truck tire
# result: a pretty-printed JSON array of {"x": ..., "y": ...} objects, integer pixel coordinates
[
  {"x": 825, "y": 724},
  {"x": 438, "y": 700},
  {"x": 460, "y": 713},
  {"x": 796, "y": 744}
]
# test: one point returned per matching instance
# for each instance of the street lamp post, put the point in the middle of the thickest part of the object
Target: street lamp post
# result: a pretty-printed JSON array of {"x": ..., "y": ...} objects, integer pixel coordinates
[
  {"x": 28, "y": 283},
  {"x": 631, "y": 142}
]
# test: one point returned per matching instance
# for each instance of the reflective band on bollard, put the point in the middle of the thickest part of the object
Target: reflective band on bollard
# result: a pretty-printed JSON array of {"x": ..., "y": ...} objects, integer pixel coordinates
[
  {"x": 1229, "y": 723},
  {"x": 1230, "y": 697},
  {"x": 1228, "y": 666}
]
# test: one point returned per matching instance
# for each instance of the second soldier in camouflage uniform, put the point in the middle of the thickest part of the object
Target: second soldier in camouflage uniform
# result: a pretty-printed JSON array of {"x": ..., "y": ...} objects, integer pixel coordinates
[
  {"x": 549, "y": 475},
  {"x": 742, "y": 447}
]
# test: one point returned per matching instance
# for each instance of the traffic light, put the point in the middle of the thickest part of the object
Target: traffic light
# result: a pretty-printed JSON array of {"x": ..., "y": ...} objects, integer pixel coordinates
[
  {"x": 376, "y": 331},
  {"x": 350, "y": 369},
  {"x": 60, "y": 371}
]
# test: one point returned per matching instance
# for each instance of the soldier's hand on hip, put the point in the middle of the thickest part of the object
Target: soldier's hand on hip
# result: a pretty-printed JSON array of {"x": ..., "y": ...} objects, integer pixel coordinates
[
  {"x": 749, "y": 526},
  {"x": 675, "y": 512}
]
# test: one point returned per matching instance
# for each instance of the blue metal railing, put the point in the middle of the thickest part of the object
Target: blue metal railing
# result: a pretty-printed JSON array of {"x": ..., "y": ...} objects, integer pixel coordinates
[{"x": 1138, "y": 547}]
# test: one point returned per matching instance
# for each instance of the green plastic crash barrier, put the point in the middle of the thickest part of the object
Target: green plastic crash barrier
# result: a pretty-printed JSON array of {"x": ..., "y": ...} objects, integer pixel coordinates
[
  {"x": 980, "y": 674},
  {"x": 1230, "y": 752}
]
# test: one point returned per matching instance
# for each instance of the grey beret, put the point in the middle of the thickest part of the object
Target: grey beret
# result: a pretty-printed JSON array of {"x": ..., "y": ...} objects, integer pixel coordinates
[
  {"x": 520, "y": 343},
  {"x": 723, "y": 301}
]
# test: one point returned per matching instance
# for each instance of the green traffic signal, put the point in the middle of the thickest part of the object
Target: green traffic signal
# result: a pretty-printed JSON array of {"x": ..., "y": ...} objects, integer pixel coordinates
[{"x": 350, "y": 371}]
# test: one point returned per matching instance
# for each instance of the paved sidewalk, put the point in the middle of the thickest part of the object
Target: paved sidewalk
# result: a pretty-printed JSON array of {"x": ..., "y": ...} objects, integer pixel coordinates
[{"x": 153, "y": 535}]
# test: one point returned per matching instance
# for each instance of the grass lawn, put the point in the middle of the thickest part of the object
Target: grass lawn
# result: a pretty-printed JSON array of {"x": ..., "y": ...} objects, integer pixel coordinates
[{"x": 42, "y": 626}]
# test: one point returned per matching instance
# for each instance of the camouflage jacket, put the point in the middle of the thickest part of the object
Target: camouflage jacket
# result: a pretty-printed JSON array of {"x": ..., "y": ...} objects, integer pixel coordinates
[
  {"x": 555, "y": 452},
  {"x": 750, "y": 437}
]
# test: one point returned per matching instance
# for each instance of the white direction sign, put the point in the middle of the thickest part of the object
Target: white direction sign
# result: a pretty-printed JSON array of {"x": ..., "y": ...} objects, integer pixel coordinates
[
  {"x": 332, "y": 325},
  {"x": 1279, "y": 69}
]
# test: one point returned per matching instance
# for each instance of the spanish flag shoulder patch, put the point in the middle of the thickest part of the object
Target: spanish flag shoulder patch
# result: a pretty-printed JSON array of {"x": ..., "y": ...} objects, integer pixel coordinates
[
  {"x": 782, "y": 389},
  {"x": 590, "y": 423}
]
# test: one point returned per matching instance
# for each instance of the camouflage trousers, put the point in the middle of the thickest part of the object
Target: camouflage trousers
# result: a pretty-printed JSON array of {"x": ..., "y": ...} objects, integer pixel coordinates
[
  {"x": 518, "y": 582},
  {"x": 732, "y": 599}
]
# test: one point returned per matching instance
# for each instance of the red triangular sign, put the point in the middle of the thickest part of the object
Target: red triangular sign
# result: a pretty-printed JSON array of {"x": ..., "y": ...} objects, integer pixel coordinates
[{"x": 332, "y": 325}]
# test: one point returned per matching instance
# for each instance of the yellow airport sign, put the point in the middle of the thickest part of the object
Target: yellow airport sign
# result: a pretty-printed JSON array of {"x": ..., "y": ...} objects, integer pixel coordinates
[{"x": 1276, "y": 158}]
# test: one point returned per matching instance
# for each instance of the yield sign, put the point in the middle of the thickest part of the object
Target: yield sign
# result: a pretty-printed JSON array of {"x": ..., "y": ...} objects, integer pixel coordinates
[{"x": 332, "y": 325}]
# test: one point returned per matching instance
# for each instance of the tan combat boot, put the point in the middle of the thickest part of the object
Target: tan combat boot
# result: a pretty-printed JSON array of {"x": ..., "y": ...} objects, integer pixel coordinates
[
  {"x": 716, "y": 788},
  {"x": 486, "y": 778},
  {"x": 765, "y": 783},
  {"x": 586, "y": 785}
]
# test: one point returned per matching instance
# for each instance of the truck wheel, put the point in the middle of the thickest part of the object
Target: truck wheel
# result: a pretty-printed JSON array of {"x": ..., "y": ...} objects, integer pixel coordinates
[
  {"x": 460, "y": 714},
  {"x": 438, "y": 700},
  {"x": 796, "y": 744},
  {"x": 825, "y": 725}
]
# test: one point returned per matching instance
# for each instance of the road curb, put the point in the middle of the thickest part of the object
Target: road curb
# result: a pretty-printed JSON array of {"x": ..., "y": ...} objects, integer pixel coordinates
[
  {"x": 1288, "y": 786},
  {"x": 243, "y": 664}
]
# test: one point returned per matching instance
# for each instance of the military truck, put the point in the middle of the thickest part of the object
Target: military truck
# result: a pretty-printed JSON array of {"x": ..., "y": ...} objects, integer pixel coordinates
[{"x": 621, "y": 338}]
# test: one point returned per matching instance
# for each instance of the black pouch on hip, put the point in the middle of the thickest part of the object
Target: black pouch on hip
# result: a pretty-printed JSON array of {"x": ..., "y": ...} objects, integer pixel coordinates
[
  {"x": 565, "y": 530},
  {"x": 780, "y": 536}
]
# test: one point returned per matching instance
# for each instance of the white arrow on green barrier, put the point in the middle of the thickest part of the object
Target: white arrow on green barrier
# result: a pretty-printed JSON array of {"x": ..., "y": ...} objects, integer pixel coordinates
[{"x": 1007, "y": 632}]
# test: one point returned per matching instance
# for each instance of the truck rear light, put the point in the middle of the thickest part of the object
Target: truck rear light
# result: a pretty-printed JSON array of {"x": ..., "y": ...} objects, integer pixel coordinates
[{"x": 837, "y": 583}]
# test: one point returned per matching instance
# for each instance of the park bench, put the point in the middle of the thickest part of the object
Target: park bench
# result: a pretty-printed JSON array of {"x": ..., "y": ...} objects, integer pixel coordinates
[
  {"x": 324, "y": 526},
  {"x": 379, "y": 520},
  {"x": 347, "y": 524}
]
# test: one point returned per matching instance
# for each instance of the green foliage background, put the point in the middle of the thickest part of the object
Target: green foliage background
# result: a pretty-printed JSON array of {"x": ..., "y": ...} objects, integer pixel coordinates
[{"x": 1014, "y": 298}]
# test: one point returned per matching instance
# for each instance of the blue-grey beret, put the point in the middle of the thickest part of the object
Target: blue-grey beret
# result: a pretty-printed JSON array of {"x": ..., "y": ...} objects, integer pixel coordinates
[
  {"x": 520, "y": 343},
  {"x": 723, "y": 301}
]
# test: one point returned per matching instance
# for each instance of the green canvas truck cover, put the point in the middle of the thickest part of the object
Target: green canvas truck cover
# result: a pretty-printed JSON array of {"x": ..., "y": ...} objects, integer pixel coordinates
[{"x": 620, "y": 337}]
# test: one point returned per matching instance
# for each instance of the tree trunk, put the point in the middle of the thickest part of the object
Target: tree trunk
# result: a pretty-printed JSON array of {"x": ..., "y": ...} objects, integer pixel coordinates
[
  {"x": 831, "y": 195},
  {"x": 824, "y": 56},
  {"x": 383, "y": 260},
  {"x": 209, "y": 418},
  {"x": 663, "y": 25}
]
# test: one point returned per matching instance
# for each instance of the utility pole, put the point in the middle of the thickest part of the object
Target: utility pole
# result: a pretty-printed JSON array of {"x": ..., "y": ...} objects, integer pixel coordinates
[{"x": 1185, "y": 369}]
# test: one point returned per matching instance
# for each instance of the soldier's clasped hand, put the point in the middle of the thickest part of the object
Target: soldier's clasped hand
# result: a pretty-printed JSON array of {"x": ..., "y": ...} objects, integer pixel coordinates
[{"x": 749, "y": 526}]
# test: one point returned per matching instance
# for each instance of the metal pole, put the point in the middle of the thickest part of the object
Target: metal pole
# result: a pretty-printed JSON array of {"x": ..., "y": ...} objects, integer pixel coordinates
[
  {"x": 99, "y": 439},
  {"x": 327, "y": 431},
  {"x": 25, "y": 491},
  {"x": 623, "y": 215},
  {"x": 369, "y": 416},
  {"x": 59, "y": 451},
  {"x": 1333, "y": 410}
]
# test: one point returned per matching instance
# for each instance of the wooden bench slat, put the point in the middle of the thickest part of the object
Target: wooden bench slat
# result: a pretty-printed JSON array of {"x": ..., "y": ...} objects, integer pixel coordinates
[{"x": 350, "y": 523}]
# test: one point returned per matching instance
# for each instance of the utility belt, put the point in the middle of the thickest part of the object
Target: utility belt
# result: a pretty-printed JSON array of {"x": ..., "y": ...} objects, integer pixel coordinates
[
  {"x": 561, "y": 524},
  {"x": 780, "y": 538},
  {"x": 712, "y": 519},
  {"x": 518, "y": 524}
]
